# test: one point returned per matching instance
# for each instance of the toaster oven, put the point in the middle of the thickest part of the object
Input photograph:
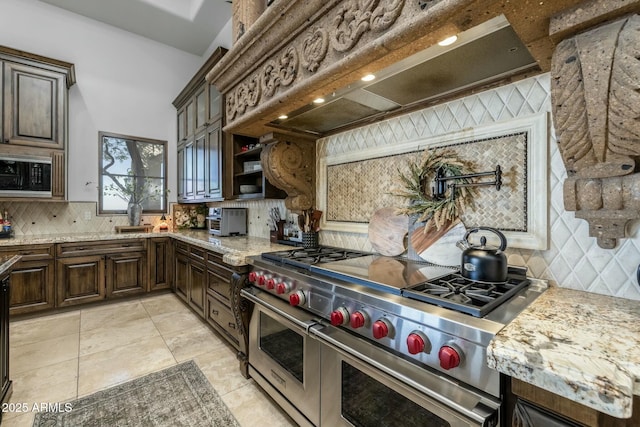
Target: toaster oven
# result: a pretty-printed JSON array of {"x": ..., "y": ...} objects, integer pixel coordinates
[{"x": 227, "y": 221}]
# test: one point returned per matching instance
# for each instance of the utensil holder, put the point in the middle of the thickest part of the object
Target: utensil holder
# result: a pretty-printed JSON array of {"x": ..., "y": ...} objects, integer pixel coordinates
[
  {"x": 310, "y": 240},
  {"x": 278, "y": 234}
]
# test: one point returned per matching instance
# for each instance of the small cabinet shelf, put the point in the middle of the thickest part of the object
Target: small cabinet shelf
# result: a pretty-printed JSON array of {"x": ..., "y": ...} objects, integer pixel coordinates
[{"x": 244, "y": 160}]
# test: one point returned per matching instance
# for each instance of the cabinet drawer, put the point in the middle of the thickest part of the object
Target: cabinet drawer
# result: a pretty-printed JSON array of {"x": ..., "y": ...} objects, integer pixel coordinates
[
  {"x": 219, "y": 285},
  {"x": 182, "y": 247},
  {"x": 215, "y": 264},
  {"x": 197, "y": 253},
  {"x": 221, "y": 318},
  {"x": 29, "y": 252},
  {"x": 101, "y": 248}
]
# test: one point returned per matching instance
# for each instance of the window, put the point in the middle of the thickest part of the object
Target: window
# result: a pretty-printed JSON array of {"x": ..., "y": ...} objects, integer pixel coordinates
[{"x": 132, "y": 170}]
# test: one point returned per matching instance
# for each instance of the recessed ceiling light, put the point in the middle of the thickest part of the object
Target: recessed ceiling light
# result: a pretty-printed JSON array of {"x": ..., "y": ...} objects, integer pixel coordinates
[
  {"x": 448, "y": 41},
  {"x": 318, "y": 100},
  {"x": 283, "y": 117},
  {"x": 368, "y": 78}
]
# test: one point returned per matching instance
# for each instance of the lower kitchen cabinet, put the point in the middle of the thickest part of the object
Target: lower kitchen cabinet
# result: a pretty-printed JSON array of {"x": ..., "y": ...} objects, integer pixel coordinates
[
  {"x": 532, "y": 406},
  {"x": 203, "y": 281},
  {"x": 5, "y": 382},
  {"x": 126, "y": 274},
  {"x": 80, "y": 280},
  {"x": 160, "y": 250},
  {"x": 32, "y": 278}
]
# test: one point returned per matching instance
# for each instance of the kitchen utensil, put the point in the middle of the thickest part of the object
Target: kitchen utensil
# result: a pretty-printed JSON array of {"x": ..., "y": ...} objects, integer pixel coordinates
[
  {"x": 387, "y": 231},
  {"x": 483, "y": 262},
  {"x": 439, "y": 246},
  {"x": 315, "y": 220}
]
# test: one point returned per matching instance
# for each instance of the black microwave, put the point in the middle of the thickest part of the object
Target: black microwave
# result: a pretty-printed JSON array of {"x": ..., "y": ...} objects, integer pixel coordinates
[{"x": 25, "y": 176}]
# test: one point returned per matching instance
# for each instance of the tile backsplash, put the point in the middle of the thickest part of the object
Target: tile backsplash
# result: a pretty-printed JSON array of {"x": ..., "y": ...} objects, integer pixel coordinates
[{"x": 573, "y": 259}]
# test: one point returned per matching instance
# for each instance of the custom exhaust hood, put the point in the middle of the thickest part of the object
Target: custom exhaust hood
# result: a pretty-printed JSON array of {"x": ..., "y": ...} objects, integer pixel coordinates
[{"x": 481, "y": 55}]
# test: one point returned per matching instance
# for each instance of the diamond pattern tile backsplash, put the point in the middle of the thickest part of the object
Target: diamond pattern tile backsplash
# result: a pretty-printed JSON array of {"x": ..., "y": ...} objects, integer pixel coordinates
[{"x": 573, "y": 260}]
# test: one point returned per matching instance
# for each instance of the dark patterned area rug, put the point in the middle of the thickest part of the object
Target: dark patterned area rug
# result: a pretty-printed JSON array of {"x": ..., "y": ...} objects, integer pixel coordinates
[{"x": 177, "y": 396}]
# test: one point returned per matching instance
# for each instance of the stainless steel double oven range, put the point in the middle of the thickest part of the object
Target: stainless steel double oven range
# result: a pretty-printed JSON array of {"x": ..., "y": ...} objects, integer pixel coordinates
[{"x": 345, "y": 338}]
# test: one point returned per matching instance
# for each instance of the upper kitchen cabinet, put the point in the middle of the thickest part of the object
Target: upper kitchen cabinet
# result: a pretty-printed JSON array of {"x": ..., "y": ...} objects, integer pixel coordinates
[
  {"x": 34, "y": 94},
  {"x": 199, "y": 114}
]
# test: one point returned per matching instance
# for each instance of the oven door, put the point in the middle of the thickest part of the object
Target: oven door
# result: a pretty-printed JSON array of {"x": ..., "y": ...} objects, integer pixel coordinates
[
  {"x": 283, "y": 357},
  {"x": 365, "y": 386}
]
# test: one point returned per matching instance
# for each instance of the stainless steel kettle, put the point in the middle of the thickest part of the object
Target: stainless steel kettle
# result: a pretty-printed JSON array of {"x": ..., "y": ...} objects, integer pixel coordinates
[{"x": 481, "y": 262}]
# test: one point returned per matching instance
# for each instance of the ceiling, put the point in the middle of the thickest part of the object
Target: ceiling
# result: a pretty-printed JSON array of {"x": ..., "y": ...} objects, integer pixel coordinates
[{"x": 188, "y": 25}]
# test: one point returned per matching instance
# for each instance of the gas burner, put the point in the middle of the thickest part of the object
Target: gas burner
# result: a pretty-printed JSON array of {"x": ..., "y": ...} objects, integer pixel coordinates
[
  {"x": 305, "y": 257},
  {"x": 465, "y": 295}
]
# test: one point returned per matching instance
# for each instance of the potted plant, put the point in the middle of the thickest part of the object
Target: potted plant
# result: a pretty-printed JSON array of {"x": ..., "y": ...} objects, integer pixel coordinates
[{"x": 134, "y": 190}]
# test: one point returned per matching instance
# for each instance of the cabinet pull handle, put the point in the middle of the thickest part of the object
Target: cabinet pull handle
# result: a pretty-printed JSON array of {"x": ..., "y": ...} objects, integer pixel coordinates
[
  {"x": 232, "y": 325},
  {"x": 215, "y": 312},
  {"x": 26, "y": 252}
]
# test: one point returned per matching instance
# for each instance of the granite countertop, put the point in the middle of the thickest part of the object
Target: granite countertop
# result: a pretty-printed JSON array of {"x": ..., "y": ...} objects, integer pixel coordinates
[
  {"x": 579, "y": 345},
  {"x": 234, "y": 249},
  {"x": 7, "y": 262}
]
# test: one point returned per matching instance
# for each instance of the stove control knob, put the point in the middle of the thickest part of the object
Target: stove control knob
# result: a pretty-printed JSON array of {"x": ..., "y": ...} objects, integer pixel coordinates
[
  {"x": 339, "y": 316},
  {"x": 381, "y": 328},
  {"x": 282, "y": 288},
  {"x": 271, "y": 283},
  {"x": 262, "y": 279},
  {"x": 449, "y": 357},
  {"x": 253, "y": 276},
  {"x": 297, "y": 298},
  {"x": 358, "y": 319},
  {"x": 417, "y": 342}
]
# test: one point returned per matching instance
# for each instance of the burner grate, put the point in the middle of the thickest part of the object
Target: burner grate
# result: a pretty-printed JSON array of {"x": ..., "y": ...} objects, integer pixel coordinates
[
  {"x": 305, "y": 257},
  {"x": 468, "y": 296}
]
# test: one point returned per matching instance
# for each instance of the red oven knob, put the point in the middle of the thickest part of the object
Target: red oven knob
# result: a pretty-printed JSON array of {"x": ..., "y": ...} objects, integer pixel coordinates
[
  {"x": 271, "y": 283},
  {"x": 358, "y": 319},
  {"x": 417, "y": 342},
  {"x": 261, "y": 279},
  {"x": 253, "y": 276},
  {"x": 282, "y": 288},
  {"x": 381, "y": 328},
  {"x": 297, "y": 298},
  {"x": 339, "y": 316},
  {"x": 449, "y": 357}
]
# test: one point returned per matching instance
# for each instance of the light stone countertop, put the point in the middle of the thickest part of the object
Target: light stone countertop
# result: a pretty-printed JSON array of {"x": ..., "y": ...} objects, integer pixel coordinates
[
  {"x": 579, "y": 345},
  {"x": 234, "y": 249},
  {"x": 7, "y": 262}
]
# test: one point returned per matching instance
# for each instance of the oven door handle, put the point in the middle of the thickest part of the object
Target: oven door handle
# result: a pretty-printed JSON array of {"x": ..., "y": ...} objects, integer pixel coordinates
[
  {"x": 482, "y": 409},
  {"x": 298, "y": 317}
]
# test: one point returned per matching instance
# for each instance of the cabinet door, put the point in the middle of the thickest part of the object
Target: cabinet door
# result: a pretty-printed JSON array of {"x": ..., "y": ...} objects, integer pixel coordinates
[
  {"x": 199, "y": 163},
  {"x": 58, "y": 175},
  {"x": 181, "y": 278},
  {"x": 189, "y": 192},
  {"x": 215, "y": 104},
  {"x": 198, "y": 286},
  {"x": 34, "y": 106},
  {"x": 201, "y": 109},
  {"x": 5, "y": 382},
  {"x": 126, "y": 274},
  {"x": 190, "y": 119},
  {"x": 32, "y": 286},
  {"x": 214, "y": 161},
  {"x": 80, "y": 280},
  {"x": 182, "y": 125},
  {"x": 180, "y": 175},
  {"x": 159, "y": 265}
]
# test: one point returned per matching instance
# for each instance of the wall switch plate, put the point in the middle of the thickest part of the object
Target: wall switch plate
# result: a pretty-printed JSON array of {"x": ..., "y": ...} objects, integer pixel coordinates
[{"x": 87, "y": 215}]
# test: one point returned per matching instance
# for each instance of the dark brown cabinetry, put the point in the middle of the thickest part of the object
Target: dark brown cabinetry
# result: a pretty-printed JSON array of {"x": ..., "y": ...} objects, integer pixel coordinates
[
  {"x": 91, "y": 271},
  {"x": 243, "y": 152},
  {"x": 203, "y": 281},
  {"x": 199, "y": 114},
  {"x": 5, "y": 293},
  {"x": 531, "y": 406},
  {"x": 34, "y": 109},
  {"x": 160, "y": 265},
  {"x": 32, "y": 278}
]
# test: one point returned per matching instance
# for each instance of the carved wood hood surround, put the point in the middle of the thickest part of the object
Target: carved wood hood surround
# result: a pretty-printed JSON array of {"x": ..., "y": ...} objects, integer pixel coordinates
[{"x": 298, "y": 50}]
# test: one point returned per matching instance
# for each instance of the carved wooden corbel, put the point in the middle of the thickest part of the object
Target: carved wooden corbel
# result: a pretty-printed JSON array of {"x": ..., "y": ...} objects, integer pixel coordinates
[
  {"x": 595, "y": 91},
  {"x": 289, "y": 163}
]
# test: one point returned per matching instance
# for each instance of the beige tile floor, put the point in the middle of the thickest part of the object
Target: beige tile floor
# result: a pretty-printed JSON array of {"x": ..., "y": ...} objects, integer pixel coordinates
[{"x": 64, "y": 356}]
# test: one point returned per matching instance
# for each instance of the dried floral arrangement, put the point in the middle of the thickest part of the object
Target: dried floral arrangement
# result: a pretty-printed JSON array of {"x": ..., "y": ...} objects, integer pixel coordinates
[{"x": 416, "y": 187}]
